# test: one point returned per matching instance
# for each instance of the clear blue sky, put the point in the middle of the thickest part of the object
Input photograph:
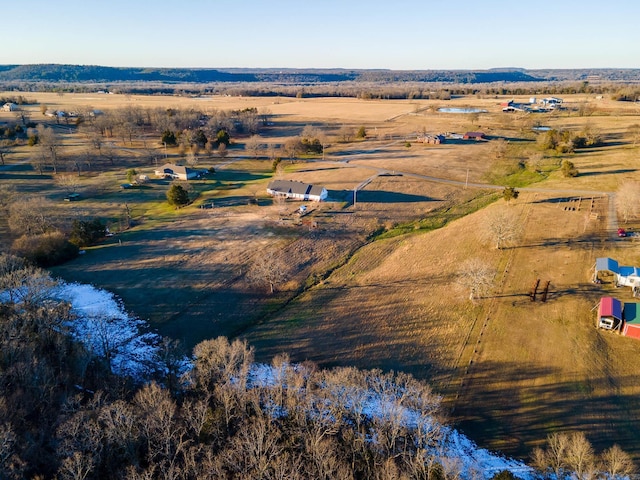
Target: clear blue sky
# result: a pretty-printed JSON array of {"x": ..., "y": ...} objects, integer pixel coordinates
[{"x": 400, "y": 34}]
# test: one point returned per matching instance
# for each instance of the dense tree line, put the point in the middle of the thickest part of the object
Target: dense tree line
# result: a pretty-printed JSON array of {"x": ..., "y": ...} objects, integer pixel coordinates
[{"x": 64, "y": 415}]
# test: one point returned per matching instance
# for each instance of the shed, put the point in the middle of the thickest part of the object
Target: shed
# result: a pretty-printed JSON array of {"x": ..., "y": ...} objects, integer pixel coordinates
[
  {"x": 607, "y": 265},
  {"x": 631, "y": 315},
  {"x": 610, "y": 313},
  {"x": 297, "y": 190},
  {"x": 474, "y": 136}
]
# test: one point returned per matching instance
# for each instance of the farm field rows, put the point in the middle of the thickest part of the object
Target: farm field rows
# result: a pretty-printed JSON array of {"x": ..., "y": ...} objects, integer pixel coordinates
[{"x": 510, "y": 370}]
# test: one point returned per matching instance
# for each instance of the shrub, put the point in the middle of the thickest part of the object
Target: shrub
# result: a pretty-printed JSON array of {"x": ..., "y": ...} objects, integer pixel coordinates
[
  {"x": 33, "y": 140},
  {"x": 45, "y": 250},
  {"x": 177, "y": 196},
  {"x": 569, "y": 169},
  {"x": 87, "y": 232},
  {"x": 168, "y": 137}
]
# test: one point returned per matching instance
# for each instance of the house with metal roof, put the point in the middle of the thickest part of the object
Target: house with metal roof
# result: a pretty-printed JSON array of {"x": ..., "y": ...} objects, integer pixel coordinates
[
  {"x": 169, "y": 170},
  {"x": 297, "y": 190},
  {"x": 623, "y": 276}
]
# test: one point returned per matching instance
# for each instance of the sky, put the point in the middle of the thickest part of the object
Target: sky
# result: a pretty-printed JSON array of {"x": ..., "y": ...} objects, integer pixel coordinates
[{"x": 350, "y": 34}]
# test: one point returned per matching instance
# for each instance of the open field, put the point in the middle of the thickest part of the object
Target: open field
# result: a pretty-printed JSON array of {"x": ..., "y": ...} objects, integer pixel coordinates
[{"x": 510, "y": 370}]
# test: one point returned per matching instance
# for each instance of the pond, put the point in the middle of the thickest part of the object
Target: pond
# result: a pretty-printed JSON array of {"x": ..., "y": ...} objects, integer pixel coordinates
[{"x": 461, "y": 110}]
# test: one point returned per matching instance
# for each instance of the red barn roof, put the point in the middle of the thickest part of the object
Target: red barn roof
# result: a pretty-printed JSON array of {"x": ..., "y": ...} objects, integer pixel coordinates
[{"x": 610, "y": 307}]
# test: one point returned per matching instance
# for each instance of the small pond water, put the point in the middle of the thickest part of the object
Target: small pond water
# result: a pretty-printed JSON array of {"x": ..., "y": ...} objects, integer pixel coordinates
[{"x": 461, "y": 110}]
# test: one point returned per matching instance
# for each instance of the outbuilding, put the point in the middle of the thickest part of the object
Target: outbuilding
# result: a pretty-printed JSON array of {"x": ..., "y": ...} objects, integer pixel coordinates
[
  {"x": 610, "y": 314},
  {"x": 631, "y": 320},
  {"x": 474, "y": 136},
  {"x": 297, "y": 190},
  {"x": 9, "y": 107}
]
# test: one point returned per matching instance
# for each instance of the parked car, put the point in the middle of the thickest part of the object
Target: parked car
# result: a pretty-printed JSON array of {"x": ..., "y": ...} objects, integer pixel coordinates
[
  {"x": 622, "y": 232},
  {"x": 72, "y": 197}
]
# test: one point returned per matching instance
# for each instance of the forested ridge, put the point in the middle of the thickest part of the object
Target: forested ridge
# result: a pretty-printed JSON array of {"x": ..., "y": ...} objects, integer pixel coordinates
[{"x": 93, "y": 73}]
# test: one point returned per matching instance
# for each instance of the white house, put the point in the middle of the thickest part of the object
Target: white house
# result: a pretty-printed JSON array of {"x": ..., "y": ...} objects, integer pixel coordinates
[
  {"x": 168, "y": 170},
  {"x": 9, "y": 107},
  {"x": 623, "y": 276},
  {"x": 297, "y": 190}
]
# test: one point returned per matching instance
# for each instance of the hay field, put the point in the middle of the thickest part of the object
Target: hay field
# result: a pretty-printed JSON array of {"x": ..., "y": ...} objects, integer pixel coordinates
[{"x": 510, "y": 370}]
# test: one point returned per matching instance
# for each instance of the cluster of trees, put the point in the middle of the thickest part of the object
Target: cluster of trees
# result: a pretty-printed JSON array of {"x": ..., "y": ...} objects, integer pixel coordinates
[
  {"x": 571, "y": 455},
  {"x": 64, "y": 415},
  {"x": 42, "y": 236},
  {"x": 567, "y": 141}
]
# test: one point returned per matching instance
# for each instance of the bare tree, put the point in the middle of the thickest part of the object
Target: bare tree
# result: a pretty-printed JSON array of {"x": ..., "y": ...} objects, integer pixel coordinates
[
  {"x": 503, "y": 226},
  {"x": 554, "y": 456},
  {"x": 346, "y": 133},
  {"x": 634, "y": 133},
  {"x": 31, "y": 216},
  {"x": 628, "y": 201},
  {"x": 617, "y": 463},
  {"x": 580, "y": 456},
  {"x": 291, "y": 148},
  {"x": 5, "y": 149},
  {"x": 476, "y": 275},
  {"x": 268, "y": 269},
  {"x": 253, "y": 145},
  {"x": 8, "y": 194},
  {"x": 70, "y": 183},
  {"x": 49, "y": 143},
  {"x": 222, "y": 150}
]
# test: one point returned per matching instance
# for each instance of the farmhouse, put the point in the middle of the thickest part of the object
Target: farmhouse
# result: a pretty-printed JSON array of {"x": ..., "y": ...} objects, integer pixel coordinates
[
  {"x": 9, "y": 107},
  {"x": 610, "y": 314},
  {"x": 168, "y": 170},
  {"x": 297, "y": 190},
  {"x": 623, "y": 276},
  {"x": 474, "y": 136}
]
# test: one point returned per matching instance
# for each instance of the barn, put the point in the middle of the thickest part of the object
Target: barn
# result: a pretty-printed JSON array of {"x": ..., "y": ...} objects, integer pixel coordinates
[
  {"x": 474, "y": 136},
  {"x": 631, "y": 315},
  {"x": 610, "y": 314},
  {"x": 605, "y": 267},
  {"x": 297, "y": 190}
]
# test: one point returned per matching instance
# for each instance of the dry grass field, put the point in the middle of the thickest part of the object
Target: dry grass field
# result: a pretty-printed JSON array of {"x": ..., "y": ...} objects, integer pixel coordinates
[{"x": 510, "y": 370}]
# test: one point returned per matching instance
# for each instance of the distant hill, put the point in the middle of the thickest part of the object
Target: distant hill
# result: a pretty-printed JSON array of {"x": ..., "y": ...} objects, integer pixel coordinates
[{"x": 100, "y": 74}]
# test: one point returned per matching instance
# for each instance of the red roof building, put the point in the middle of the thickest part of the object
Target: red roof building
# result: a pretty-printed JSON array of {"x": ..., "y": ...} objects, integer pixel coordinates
[{"x": 610, "y": 313}]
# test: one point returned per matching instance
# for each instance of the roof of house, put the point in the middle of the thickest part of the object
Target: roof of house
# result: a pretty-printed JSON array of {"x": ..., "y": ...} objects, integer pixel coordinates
[
  {"x": 293, "y": 187},
  {"x": 606, "y": 263},
  {"x": 629, "y": 271},
  {"x": 474, "y": 134},
  {"x": 610, "y": 307},
  {"x": 632, "y": 313},
  {"x": 176, "y": 169}
]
